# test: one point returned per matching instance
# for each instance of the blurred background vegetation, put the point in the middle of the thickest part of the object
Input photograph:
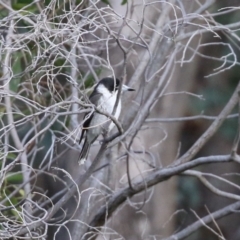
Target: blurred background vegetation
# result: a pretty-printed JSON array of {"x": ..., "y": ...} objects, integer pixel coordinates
[{"x": 46, "y": 80}]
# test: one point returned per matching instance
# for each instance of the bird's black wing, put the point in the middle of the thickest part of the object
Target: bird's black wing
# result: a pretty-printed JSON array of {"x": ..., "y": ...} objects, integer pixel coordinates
[
  {"x": 94, "y": 98},
  {"x": 85, "y": 125}
]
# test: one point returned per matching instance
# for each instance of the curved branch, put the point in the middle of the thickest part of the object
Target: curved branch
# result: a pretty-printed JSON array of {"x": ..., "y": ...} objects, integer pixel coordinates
[
  {"x": 212, "y": 129},
  {"x": 210, "y": 186},
  {"x": 153, "y": 178},
  {"x": 205, "y": 220}
]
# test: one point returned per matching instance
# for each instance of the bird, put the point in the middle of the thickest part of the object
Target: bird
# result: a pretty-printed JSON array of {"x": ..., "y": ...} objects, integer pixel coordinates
[{"x": 104, "y": 97}]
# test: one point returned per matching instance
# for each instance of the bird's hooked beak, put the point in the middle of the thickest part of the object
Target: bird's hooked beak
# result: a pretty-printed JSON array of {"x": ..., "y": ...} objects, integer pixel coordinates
[{"x": 126, "y": 88}]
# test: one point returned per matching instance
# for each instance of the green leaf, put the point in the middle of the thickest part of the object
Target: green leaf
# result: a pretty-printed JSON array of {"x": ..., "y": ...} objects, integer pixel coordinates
[
  {"x": 16, "y": 214},
  {"x": 17, "y": 69},
  {"x": 59, "y": 62},
  {"x": 14, "y": 178},
  {"x": 123, "y": 2},
  {"x": 26, "y": 4},
  {"x": 11, "y": 156},
  {"x": 22, "y": 193},
  {"x": 106, "y": 1},
  {"x": 79, "y": 1},
  {"x": 2, "y": 111},
  {"x": 14, "y": 84},
  {"x": 90, "y": 81}
]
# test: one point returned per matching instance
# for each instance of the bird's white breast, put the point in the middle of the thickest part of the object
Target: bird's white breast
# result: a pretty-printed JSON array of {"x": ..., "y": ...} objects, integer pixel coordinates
[{"x": 106, "y": 103}]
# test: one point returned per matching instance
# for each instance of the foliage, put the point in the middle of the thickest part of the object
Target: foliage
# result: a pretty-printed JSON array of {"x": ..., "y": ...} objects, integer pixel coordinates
[{"x": 52, "y": 54}]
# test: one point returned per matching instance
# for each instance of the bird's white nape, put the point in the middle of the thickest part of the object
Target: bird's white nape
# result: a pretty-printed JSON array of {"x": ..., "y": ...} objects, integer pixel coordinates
[{"x": 104, "y": 91}]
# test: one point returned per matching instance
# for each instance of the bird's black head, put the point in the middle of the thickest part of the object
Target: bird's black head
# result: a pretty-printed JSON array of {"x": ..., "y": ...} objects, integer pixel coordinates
[{"x": 110, "y": 84}]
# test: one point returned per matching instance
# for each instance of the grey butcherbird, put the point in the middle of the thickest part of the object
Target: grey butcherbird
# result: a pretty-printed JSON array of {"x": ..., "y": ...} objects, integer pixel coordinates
[{"x": 104, "y": 97}]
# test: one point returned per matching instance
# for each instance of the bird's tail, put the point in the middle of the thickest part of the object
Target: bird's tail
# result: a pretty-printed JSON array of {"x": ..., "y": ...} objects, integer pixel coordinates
[{"x": 84, "y": 153}]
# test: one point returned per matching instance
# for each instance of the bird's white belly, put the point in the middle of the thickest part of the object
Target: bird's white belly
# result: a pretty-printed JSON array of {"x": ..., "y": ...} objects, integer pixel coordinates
[{"x": 100, "y": 121}]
